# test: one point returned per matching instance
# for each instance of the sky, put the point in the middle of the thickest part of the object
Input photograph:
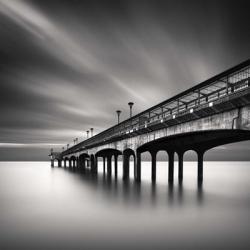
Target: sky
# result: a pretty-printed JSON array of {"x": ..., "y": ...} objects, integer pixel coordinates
[{"x": 66, "y": 66}]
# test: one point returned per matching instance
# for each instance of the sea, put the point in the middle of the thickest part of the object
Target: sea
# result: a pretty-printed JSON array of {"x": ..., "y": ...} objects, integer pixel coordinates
[{"x": 61, "y": 208}]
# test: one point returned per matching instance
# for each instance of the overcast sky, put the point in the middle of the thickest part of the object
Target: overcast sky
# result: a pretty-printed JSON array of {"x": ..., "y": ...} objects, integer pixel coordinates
[{"x": 66, "y": 66}]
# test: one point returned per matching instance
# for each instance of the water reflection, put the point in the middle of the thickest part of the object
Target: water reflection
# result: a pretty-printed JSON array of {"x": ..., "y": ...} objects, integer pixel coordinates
[
  {"x": 44, "y": 208},
  {"x": 130, "y": 191}
]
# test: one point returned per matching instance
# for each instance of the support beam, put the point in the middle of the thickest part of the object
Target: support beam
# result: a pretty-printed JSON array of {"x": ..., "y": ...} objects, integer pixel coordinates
[
  {"x": 104, "y": 165},
  {"x": 200, "y": 166},
  {"x": 134, "y": 158},
  {"x": 109, "y": 166},
  {"x": 153, "y": 171},
  {"x": 180, "y": 166},
  {"x": 170, "y": 166},
  {"x": 116, "y": 165},
  {"x": 125, "y": 167},
  {"x": 138, "y": 167},
  {"x": 84, "y": 164}
]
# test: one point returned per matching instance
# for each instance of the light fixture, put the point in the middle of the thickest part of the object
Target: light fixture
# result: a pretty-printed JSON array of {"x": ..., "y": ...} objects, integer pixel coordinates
[
  {"x": 211, "y": 104},
  {"x": 191, "y": 110},
  {"x": 173, "y": 116}
]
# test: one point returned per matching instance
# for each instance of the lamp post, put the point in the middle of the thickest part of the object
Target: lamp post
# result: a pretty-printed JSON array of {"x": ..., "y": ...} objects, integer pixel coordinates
[
  {"x": 118, "y": 115},
  {"x": 130, "y": 104},
  {"x": 87, "y": 134},
  {"x": 91, "y": 132},
  {"x": 67, "y": 145}
]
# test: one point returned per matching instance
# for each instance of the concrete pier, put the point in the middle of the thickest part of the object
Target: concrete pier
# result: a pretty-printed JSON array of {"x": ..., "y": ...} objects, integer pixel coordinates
[
  {"x": 170, "y": 166},
  {"x": 180, "y": 166},
  {"x": 153, "y": 167}
]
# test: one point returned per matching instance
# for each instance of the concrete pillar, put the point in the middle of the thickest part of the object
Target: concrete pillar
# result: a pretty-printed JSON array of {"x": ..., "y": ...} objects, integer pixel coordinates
[
  {"x": 65, "y": 163},
  {"x": 52, "y": 163},
  {"x": 109, "y": 166},
  {"x": 84, "y": 164},
  {"x": 116, "y": 164},
  {"x": 104, "y": 165},
  {"x": 70, "y": 163},
  {"x": 180, "y": 167},
  {"x": 134, "y": 158},
  {"x": 125, "y": 167},
  {"x": 74, "y": 163},
  {"x": 200, "y": 166},
  {"x": 59, "y": 163},
  {"x": 170, "y": 166},
  {"x": 138, "y": 167},
  {"x": 153, "y": 160},
  {"x": 93, "y": 164}
]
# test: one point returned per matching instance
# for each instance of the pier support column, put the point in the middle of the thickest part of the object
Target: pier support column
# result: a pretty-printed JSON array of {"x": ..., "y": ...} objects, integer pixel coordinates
[
  {"x": 104, "y": 165},
  {"x": 96, "y": 164},
  {"x": 125, "y": 167},
  {"x": 153, "y": 173},
  {"x": 109, "y": 166},
  {"x": 59, "y": 163},
  {"x": 200, "y": 165},
  {"x": 70, "y": 163},
  {"x": 138, "y": 167},
  {"x": 170, "y": 166},
  {"x": 116, "y": 164},
  {"x": 180, "y": 167},
  {"x": 52, "y": 163},
  {"x": 84, "y": 164},
  {"x": 65, "y": 163},
  {"x": 93, "y": 164}
]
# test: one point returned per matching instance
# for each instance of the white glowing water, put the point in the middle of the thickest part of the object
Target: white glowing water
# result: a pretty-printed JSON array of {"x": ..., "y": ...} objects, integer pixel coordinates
[{"x": 55, "y": 208}]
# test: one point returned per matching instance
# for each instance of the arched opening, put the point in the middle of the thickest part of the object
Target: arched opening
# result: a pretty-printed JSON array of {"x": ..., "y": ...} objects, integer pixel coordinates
[
  {"x": 146, "y": 166},
  {"x": 65, "y": 162},
  {"x": 190, "y": 159},
  {"x": 72, "y": 162},
  {"x": 161, "y": 166},
  {"x": 132, "y": 160},
  {"x": 128, "y": 166},
  {"x": 119, "y": 166}
]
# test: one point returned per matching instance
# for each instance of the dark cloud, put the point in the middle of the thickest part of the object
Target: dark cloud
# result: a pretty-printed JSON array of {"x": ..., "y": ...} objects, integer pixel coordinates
[{"x": 66, "y": 66}]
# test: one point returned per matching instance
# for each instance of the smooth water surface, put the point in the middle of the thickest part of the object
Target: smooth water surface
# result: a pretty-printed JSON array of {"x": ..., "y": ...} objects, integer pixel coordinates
[{"x": 57, "y": 208}]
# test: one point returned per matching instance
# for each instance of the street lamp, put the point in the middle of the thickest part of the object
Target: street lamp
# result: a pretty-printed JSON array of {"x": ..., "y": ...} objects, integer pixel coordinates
[
  {"x": 130, "y": 104},
  {"x": 118, "y": 115},
  {"x": 87, "y": 134},
  {"x": 91, "y": 132},
  {"x": 67, "y": 145}
]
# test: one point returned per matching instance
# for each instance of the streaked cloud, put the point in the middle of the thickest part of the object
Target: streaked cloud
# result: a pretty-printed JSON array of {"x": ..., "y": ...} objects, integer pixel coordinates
[{"x": 66, "y": 66}]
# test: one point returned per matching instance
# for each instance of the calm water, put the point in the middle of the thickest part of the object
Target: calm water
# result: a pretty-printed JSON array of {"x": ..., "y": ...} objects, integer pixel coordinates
[{"x": 55, "y": 208}]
